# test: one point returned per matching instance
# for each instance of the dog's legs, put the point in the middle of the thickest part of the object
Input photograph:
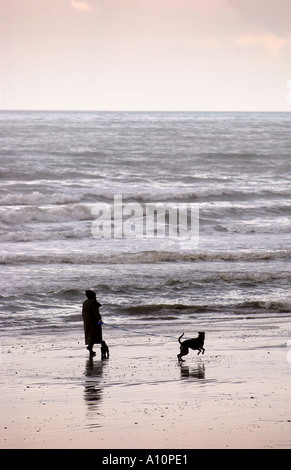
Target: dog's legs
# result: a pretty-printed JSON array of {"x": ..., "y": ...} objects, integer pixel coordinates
[{"x": 183, "y": 352}]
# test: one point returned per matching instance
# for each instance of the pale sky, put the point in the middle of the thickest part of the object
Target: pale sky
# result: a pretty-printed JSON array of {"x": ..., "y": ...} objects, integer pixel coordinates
[{"x": 192, "y": 55}]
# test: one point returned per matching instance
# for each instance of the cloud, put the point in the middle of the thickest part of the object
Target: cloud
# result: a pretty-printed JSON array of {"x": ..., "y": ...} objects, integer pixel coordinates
[
  {"x": 79, "y": 5},
  {"x": 270, "y": 42},
  {"x": 265, "y": 16},
  {"x": 198, "y": 8}
]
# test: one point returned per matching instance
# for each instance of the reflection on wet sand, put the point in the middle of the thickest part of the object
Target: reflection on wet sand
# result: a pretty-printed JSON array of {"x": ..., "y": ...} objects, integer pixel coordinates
[
  {"x": 196, "y": 372},
  {"x": 93, "y": 389}
]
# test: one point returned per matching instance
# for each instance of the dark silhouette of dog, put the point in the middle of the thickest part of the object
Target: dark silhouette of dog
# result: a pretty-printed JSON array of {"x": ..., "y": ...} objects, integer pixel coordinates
[
  {"x": 194, "y": 343},
  {"x": 104, "y": 350}
]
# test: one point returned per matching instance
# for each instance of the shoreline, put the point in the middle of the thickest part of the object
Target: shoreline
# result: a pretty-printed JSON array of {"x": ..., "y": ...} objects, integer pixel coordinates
[{"x": 236, "y": 396}]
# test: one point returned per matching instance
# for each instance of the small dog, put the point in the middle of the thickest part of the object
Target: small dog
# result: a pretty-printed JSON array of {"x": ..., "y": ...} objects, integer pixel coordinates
[
  {"x": 194, "y": 343},
  {"x": 104, "y": 350}
]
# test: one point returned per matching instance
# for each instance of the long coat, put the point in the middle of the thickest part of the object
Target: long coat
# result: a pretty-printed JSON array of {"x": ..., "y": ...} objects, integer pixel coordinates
[{"x": 91, "y": 316}]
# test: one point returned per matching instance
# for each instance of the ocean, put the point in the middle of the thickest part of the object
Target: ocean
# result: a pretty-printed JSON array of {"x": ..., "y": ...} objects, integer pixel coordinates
[{"x": 56, "y": 166}]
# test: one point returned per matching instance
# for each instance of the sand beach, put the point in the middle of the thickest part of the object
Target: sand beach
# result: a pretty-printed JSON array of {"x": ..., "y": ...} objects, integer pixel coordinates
[{"x": 235, "y": 396}]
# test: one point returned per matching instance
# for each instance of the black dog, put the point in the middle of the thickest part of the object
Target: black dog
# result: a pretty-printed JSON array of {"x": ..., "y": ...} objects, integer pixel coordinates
[
  {"x": 104, "y": 350},
  {"x": 194, "y": 343}
]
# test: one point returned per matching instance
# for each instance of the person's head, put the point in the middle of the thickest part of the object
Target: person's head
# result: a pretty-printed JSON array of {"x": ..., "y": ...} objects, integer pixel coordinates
[{"x": 90, "y": 294}]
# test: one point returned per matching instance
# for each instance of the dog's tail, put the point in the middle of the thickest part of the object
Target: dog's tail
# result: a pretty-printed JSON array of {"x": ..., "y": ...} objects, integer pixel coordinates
[{"x": 180, "y": 338}]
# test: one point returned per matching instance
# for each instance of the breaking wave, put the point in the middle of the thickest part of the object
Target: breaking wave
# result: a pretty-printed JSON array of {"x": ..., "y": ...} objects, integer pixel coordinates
[{"x": 144, "y": 257}]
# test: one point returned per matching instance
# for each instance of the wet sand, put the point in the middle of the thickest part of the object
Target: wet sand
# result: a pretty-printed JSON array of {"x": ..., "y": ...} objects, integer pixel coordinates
[{"x": 235, "y": 396}]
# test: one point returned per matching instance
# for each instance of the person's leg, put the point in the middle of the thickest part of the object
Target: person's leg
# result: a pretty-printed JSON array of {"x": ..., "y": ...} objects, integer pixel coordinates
[{"x": 90, "y": 349}]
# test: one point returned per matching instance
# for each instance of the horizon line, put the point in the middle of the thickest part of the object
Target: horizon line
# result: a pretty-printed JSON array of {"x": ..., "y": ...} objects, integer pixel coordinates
[{"x": 137, "y": 110}]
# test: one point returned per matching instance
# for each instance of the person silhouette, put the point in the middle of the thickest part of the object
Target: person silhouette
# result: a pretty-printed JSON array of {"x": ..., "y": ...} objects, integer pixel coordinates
[{"x": 92, "y": 321}]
